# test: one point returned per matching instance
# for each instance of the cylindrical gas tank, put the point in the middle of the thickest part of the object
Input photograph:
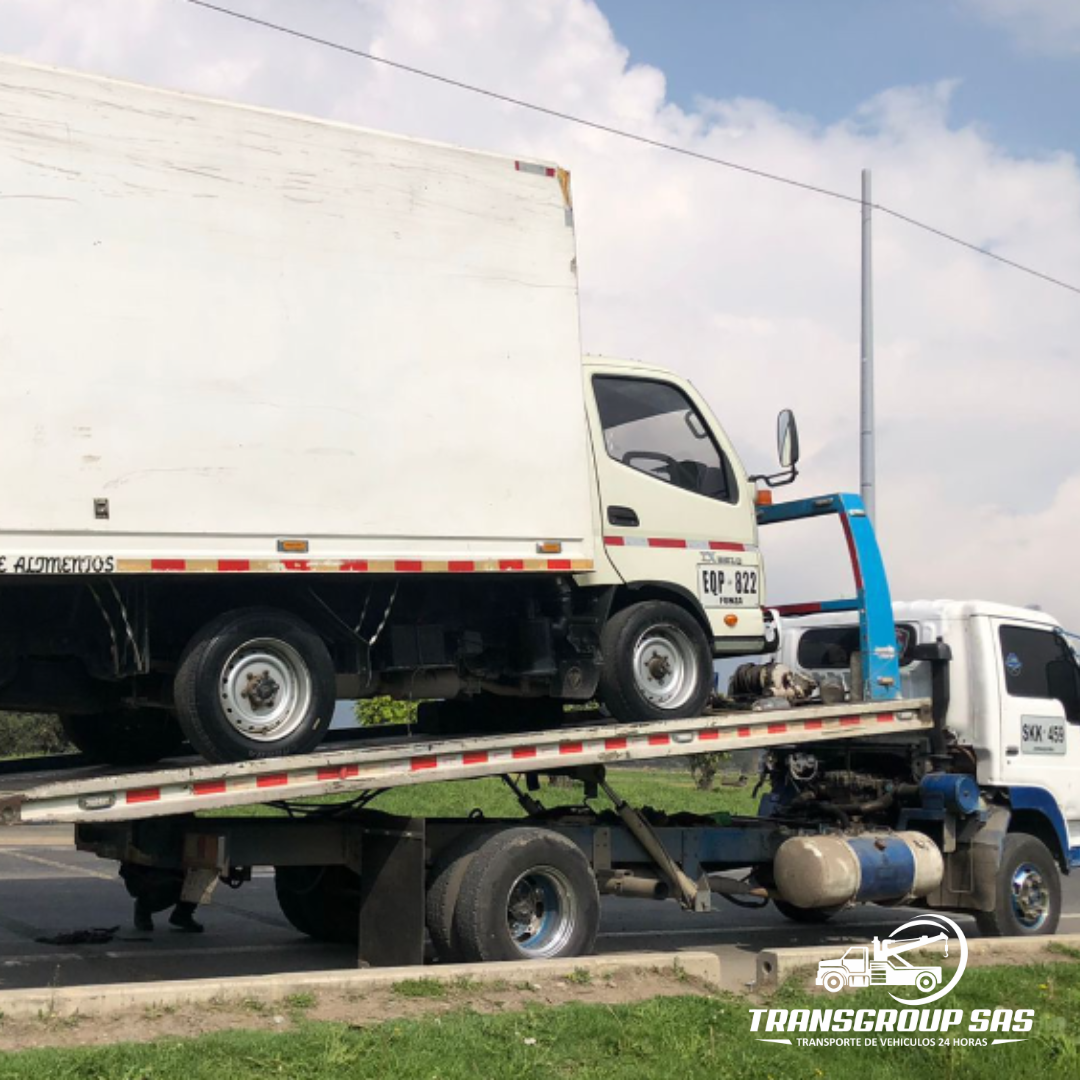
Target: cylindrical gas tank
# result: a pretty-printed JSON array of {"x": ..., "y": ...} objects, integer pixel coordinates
[{"x": 827, "y": 871}]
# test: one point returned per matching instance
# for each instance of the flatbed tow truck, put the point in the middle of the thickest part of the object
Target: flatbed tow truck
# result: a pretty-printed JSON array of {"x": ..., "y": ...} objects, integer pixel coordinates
[{"x": 898, "y": 815}]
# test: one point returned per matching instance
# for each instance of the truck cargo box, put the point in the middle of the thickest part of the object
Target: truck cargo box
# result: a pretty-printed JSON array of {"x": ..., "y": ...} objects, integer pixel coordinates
[{"x": 223, "y": 327}]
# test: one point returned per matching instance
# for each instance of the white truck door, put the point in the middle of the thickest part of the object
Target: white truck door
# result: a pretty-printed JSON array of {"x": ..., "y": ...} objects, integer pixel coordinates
[
  {"x": 1040, "y": 716},
  {"x": 675, "y": 505}
]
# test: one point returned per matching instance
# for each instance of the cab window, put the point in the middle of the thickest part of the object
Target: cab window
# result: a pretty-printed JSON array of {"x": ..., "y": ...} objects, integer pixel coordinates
[
  {"x": 830, "y": 647},
  {"x": 1039, "y": 664},
  {"x": 653, "y": 427}
]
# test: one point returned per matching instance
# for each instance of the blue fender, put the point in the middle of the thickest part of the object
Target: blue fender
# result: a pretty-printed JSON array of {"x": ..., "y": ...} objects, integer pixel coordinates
[{"x": 1040, "y": 801}]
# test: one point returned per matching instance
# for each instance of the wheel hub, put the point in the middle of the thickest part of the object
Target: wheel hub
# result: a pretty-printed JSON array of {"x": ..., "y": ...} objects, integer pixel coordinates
[
  {"x": 261, "y": 690},
  {"x": 1030, "y": 896},
  {"x": 266, "y": 690},
  {"x": 665, "y": 666},
  {"x": 541, "y": 913}
]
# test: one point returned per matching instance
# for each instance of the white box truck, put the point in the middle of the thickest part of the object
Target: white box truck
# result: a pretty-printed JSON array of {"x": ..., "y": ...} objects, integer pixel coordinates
[{"x": 295, "y": 411}]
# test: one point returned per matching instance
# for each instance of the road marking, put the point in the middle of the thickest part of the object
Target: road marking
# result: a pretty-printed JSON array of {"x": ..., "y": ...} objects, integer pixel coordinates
[
  {"x": 153, "y": 954},
  {"x": 70, "y": 871},
  {"x": 231, "y": 950},
  {"x": 36, "y": 958}
]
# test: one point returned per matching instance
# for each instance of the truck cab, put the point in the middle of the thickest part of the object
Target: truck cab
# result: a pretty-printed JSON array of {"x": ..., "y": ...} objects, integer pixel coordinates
[
  {"x": 675, "y": 507},
  {"x": 1007, "y": 699}
]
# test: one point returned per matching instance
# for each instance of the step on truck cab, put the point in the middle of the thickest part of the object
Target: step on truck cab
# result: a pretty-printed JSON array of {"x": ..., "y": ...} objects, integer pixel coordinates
[{"x": 294, "y": 412}]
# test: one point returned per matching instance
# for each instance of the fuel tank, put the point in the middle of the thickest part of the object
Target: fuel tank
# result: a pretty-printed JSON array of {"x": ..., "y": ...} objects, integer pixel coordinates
[{"x": 828, "y": 871}]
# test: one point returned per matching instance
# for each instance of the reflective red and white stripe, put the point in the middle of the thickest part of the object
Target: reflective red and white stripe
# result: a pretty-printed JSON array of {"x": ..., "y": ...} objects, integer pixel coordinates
[
  {"x": 174, "y": 791},
  {"x": 350, "y": 566},
  {"x": 674, "y": 542}
]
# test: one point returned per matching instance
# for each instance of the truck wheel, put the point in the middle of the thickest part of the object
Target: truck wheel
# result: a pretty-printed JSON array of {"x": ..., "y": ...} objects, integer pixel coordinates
[
  {"x": 320, "y": 901},
  {"x": 255, "y": 683},
  {"x": 833, "y": 982},
  {"x": 528, "y": 894},
  {"x": 657, "y": 663},
  {"x": 807, "y": 916},
  {"x": 444, "y": 887},
  {"x": 125, "y": 736},
  {"x": 1028, "y": 891}
]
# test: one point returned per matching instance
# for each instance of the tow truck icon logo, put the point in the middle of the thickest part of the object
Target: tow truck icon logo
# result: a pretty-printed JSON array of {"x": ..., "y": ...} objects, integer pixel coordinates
[{"x": 881, "y": 964}]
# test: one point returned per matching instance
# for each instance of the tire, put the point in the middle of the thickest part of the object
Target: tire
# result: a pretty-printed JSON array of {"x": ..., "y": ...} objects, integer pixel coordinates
[
  {"x": 1028, "y": 891},
  {"x": 527, "y": 894},
  {"x": 833, "y": 982},
  {"x": 322, "y": 902},
  {"x": 806, "y": 916},
  {"x": 444, "y": 887},
  {"x": 657, "y": 663},
  {"x": 255, "y": 683},
  {"x": 925, "y": 982},
  {"x": 125, "y": 736}
]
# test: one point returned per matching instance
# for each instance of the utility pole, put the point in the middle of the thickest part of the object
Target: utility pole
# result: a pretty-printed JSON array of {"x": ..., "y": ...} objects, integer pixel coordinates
[{"x": 867, "y": 488}]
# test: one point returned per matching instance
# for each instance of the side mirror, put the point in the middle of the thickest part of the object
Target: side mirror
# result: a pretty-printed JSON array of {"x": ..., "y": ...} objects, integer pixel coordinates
[{"x": 787, "y": 439}]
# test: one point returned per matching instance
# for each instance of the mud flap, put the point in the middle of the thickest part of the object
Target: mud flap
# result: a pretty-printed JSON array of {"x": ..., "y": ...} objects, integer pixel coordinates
[{"x": 392, "y": 902}]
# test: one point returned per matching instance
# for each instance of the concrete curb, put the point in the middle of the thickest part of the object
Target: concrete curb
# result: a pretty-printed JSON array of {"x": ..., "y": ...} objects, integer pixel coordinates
[
  {"x": 775, "y": 965},
  {"x": 96, "y": 1000}
]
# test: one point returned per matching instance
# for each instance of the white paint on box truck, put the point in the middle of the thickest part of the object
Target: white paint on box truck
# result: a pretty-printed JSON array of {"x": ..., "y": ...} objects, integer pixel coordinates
[{"x": 237, "y": 325}]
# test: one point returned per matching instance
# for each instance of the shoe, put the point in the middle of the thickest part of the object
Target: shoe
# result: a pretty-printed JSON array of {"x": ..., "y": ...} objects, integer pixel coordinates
[{"x": 185, "y": 921}]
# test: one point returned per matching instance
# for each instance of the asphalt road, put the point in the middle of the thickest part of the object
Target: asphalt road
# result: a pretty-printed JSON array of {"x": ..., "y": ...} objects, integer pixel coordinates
[{"x": 47, "y": 888}]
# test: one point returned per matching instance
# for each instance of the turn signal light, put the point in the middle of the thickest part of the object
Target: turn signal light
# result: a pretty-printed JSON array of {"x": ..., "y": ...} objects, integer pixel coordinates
[
  {"x": 763, "y": 497},
  {"x": 549, "y": 547},
  {"x": 293, "y": 547},
  {"x": 731, "y": 620}
]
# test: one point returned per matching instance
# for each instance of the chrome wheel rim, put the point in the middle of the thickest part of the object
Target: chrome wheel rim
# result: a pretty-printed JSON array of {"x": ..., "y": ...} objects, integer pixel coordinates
[
  {"x": 265, "y": 690},
  {"x": 665, "y": 666},
  {"x": 541, "y": 912},
  {"x": 1030, "y": 897}
]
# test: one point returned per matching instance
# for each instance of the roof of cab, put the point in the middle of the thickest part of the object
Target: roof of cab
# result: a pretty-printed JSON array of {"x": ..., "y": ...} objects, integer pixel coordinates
[
  {"x": 592, "y": 360},
  {"x": 968, "y": 609},
  {"x": 933, "y": 610}
]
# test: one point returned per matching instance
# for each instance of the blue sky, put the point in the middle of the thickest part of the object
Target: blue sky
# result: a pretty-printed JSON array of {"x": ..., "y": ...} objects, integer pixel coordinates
[{"x": 823, "y": 58}]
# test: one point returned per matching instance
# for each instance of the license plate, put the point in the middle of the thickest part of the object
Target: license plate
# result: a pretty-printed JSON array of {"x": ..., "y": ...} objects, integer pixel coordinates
[
  {"x": 1039, "y": 735},
  {"x": 727, "y": 586}
]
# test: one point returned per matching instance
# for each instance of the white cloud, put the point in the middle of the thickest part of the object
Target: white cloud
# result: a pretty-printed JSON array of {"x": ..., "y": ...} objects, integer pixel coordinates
[
  {"x": 1049, "y": 26},
  {"x": 750, "y": 288}
]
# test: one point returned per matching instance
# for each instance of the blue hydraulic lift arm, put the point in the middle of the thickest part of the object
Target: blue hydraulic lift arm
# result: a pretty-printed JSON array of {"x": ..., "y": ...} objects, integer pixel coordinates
[{"x": 873, "y": 602}]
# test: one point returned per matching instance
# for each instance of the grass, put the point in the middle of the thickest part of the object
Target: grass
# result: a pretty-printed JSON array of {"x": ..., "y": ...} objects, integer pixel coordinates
[
  {"x": 663, "y": 789},
  {"x": 419, "y": 988},
  {"x": 653, "y": 1040}
]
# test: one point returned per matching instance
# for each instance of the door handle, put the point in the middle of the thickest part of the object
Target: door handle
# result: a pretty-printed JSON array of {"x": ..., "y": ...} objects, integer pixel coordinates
[
  {"x": 1012, "y": 751},
  {"x": 622, "y": 515}
]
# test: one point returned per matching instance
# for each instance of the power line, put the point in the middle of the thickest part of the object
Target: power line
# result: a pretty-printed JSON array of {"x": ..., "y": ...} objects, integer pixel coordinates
[{"x": 595, "y": 125}]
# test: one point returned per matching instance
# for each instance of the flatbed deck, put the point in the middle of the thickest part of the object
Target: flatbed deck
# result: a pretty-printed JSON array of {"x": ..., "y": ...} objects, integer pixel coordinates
[{"x": 81, "y": 793}]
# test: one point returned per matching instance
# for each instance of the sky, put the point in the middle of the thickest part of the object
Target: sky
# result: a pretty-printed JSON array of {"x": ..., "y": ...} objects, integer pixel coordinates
[
  {"x": 1015, "y": 61},
  {"x": 960, "y": 107}
]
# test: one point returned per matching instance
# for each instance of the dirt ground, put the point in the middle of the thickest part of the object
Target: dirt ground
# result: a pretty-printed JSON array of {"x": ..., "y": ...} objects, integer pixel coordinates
[{"x": 405, "y": 1000}]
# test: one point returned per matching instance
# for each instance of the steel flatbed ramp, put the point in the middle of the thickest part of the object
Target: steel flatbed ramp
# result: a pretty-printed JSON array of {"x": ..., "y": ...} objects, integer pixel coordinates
[{"x": 82, "y": 796}]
